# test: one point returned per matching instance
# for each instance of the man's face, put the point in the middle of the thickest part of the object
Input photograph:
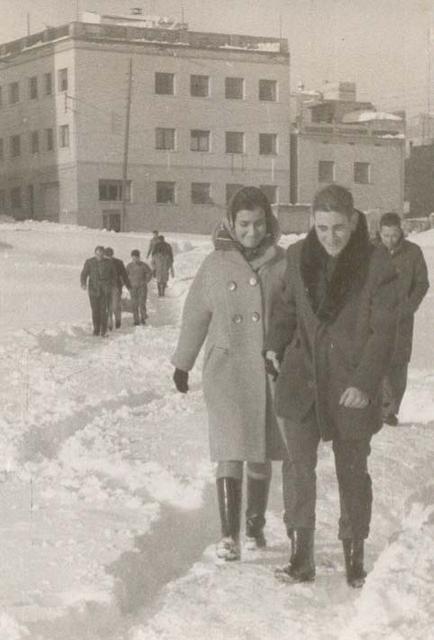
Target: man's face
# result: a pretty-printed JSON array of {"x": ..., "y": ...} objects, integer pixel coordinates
[
  {"x": 136, "y": 258},
  {"x": 390, "y": 236},
  {"x": 334, "y": 230},
  {"x": 99, "y": 253}
]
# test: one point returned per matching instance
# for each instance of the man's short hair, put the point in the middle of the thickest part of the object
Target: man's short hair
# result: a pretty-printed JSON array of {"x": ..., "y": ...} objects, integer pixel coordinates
[
  {"x": 108, "y": 251},
  {"x": 390, "y": 219},
  {"x": 135, "y": 252},
  {"x": 161, "y": 238},
  {"x": 334, "y": 197},
  {"x": 155, "y": 232},
  {"x": 99, "y": 247}
]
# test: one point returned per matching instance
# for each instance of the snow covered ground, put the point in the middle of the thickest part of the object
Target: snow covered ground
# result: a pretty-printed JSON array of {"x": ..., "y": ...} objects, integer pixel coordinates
[{"x": 107, "y": 496}]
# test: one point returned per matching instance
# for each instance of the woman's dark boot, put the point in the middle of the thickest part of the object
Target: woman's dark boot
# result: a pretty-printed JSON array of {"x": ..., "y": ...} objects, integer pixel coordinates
[
  {"x": 354, "y": 561},
  {"x": 229, "y": 499},
  {"x": 257, "y": 498},
  {"x": 301, "y": 567}
]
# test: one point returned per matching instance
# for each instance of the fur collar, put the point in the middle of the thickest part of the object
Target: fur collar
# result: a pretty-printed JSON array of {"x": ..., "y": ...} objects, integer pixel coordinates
[{"x": 349, "y": 274}]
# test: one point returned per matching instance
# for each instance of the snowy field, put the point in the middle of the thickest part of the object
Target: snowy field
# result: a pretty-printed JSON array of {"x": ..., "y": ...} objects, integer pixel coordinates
[{"x": 107, "y": 495}]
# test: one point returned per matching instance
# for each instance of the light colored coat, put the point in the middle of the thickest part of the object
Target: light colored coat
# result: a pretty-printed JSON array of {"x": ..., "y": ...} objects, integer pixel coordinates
[{"x": 228, "y": 304}]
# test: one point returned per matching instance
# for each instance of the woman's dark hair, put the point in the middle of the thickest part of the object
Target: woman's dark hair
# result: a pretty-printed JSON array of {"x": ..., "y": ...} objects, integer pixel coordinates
[
  {"x": 334, "y": 197},
  {"x": 249, "y": 198}
]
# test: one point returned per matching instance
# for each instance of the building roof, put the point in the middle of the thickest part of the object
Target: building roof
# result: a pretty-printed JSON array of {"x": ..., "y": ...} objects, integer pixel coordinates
[{"x": 369, "y": 116}]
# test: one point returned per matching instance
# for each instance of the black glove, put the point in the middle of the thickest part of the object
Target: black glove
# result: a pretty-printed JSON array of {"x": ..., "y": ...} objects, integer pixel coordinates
[
  {"x": 180, "y": 378},
  {"x": 271, "y": 369}
]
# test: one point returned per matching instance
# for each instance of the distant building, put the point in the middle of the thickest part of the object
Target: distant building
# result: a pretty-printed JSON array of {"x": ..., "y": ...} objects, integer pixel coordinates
[
  {"x": 335, "y": 138},
  {"x": 209, "y": 112},
  {"x": 420, "y": 179}
]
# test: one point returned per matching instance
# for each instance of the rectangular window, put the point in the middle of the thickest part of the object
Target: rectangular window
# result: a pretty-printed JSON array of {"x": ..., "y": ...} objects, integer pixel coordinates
[
  {"x": 267, "y": 144},
  {"x": 49, "y": 139},
  {"x": 362, "y": 172},
  {"x": 326, "y": 171},
  {"x": 2, "y": 201},
  {"x": 64, "y": 135},
  {"x": 201, "y": 193},
  {"x": 62, "y": 79},
  {"x": 234, "y": 142},
  {"x": 165, "y": 193},
  {"x": 231, "y": 190},
  {"x": 165, "y": 139},
  {"x": 16, "y": 198},
  {"x": 165, "y": 84},
  {"x": 33, "y": 88},
  {"x": 14, "y": 92},
  {"x": 234, "y": 88},
  {"x": 34, "y": 142},
  {"x": 2, "y": 150},
  {"x": 268, "y": 90},
  {"x": 199, "y": 140},
  {"x": 48, "y": 80},
  {"x": 199, "y": 86},
  {"x": 271, "y": 192},
  {"x": 111, "y": 190},
  {"x": 15, "y": 146}
]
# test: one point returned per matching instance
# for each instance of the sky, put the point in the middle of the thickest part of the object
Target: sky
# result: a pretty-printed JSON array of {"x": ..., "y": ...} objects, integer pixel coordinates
[{"x": 382, "y": 45}]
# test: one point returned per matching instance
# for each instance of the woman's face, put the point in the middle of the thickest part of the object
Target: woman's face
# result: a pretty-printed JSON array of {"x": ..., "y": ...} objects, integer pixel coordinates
[{"x": 250, "y": 227}]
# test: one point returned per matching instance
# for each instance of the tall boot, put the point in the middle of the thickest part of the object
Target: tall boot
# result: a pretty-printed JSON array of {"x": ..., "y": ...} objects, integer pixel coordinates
[
  {"x": 354, "y": 561},
  {"x": 229, "y": 500},
  {"x": 257, "y": 498},
  {"x": 301, "y": 567}
]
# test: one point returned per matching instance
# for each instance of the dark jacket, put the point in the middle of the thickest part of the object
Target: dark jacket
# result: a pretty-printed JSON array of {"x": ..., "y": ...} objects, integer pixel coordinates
[
  {"x": 121, "y": 274},
  {"x": 338, "y": 340},
  {"x": 101, "y": 275},
  {"x": 413, "y": 284}
]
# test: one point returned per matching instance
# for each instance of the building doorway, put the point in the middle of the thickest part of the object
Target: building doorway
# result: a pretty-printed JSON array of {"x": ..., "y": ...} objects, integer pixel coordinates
[{"x": 111, "y": 220}]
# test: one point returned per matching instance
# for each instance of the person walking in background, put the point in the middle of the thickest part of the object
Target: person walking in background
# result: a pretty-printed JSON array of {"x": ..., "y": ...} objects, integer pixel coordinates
[
  {"x": 114, "y": 307},
  {"x": 139, "y": 274},
  {"x": 98, "y": 276},
  {"x": 227, "y": 306},
  {"x": 413, "y": 284},
  {"x": 162, "y": 264},
  {"x": 153, "y": 242},
  {"x": 329, "y": 343}
]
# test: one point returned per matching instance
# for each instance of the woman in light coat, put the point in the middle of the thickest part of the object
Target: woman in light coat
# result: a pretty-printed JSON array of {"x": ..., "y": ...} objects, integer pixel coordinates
[{"x": 227, "y": 306}]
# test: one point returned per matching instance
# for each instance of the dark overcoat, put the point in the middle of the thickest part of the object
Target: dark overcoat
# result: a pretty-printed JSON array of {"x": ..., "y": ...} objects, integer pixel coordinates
[
  {"x": 100, "y": 276},
  {"x": 346, "y": 342},
  {"x": 228, "y": 305}
]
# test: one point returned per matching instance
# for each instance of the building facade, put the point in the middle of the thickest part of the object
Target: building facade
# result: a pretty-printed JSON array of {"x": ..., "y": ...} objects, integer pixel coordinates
[{"x": 207, "y": 113}]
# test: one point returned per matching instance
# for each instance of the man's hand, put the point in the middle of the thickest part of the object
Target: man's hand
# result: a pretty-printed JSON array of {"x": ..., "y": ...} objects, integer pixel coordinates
[
  {"x": 353, "y": 398},
  {"x": 272, "y": 364},
  {"x": 84, "y": 287},
  {"x": 180, "y": 378}
]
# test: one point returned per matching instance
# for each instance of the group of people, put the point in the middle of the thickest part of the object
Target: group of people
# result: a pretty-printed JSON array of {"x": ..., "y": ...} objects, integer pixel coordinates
[
  {"x": 104, "y": 277},
  {"x": 302, "y": 345}
]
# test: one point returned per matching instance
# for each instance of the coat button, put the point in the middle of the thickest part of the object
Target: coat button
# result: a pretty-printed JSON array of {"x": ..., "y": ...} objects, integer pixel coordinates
[
  {"x": 232, "y": 285},
  {"x": 253, "y": 281},
  {"x": 237, "y": 318},
  {"x": 255, "y": 317}
]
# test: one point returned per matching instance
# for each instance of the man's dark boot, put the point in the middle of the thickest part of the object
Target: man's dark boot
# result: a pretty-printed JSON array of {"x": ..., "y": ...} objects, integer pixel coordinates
[
  {"x": 354, "y": 560},
  {"x": 257, "y": 498},
  {"x": 229, "y": 499},
  {"x": 301, "y": 567}
]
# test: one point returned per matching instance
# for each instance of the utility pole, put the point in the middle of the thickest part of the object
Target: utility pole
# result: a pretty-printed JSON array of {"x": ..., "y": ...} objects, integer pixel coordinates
[{"x": 126, "y": 146}]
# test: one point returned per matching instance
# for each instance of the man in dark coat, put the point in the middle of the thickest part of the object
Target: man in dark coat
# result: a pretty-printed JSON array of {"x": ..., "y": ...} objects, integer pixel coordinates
[
  {"x": 162, "y": 262},
  {"x": 330, "y": 341},
  {"x": 153, "y": 242},
  {"x": 413, "y": 284},
  {"x": 139, "y": 274},
  {"x": 114, "y": 307},
  {"x": 98, "y": 277}
]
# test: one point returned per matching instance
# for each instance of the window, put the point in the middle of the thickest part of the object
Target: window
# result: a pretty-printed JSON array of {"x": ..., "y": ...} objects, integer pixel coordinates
[
  {"x": 63, "y": 79},
  {"x": 326, "y": 171},
  {"x": 268, "y": 90},
  {"x": 231, "y": 190},
  {"x": 267, "y": 144},
  {"x": 165, "y": 84},
  {"x": 199, "y": 86},
  {"x": 201, "y": 193},
  {"x": 271, "y": 192},
  {"x": 2, "y": 150},
  {"x": 111, "y": 190},
  {"x": 16, "y": 198},
  {"x": 165, "y": 139},
  {"x": 2, "y": 201},
  {"x": 33, "y": 88},
  {"x": 49, "y": 139},
  {"x": 165, "y": 192},
  {"x": 14, "y": 93},
  {"x": 234, "y": 88},
  {"x": 199, "y": 140},
  {"x": 48, "y": 81},
  {"x": 34, "y": 142},
  {"x": 64, "y": 135},
  {"x": 15, "y": 146},
  {"x": 362, "y": 171},
  {"x": 234, "y": 142}
]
